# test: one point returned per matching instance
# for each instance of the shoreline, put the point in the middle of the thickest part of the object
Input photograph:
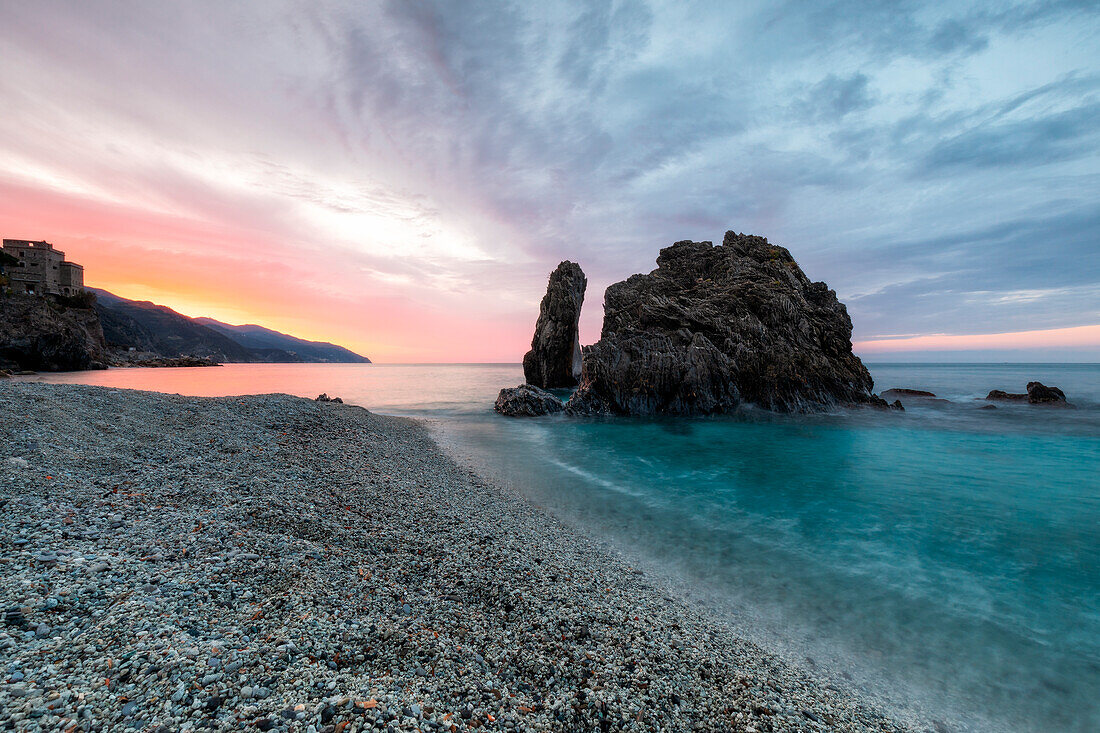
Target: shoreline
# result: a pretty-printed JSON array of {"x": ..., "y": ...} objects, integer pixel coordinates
[{"x": 282, "y": 564}]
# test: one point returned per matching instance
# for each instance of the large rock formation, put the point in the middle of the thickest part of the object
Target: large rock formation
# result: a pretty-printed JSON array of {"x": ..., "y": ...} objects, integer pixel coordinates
[
  {"x": 714, "y": 327},
  {"x": 526, "y": 401},
  {"x": 555, "y": 356},
  {"x": 50, "y": 333}
]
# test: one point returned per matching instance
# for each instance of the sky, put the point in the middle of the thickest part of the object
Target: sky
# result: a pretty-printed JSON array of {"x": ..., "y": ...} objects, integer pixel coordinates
[{"x": 401, "y": 177}]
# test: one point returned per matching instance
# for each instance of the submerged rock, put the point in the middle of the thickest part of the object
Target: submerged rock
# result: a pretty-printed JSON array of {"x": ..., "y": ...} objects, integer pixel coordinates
[
  {"x": 527, "y": 400},
  {"x": 917, "y": 396},
  {"x": 555, "y": 356},
  {"x": 905, "y": 392},
  {"x": 1002, "y": 396},
  {"x": 714, "y": 327}
]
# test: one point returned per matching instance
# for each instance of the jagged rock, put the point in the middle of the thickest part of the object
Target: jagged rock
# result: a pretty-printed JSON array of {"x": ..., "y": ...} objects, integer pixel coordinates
[
  {"x": 714, "y": 327},
  {"x": 1040, "y": 394},
  {"x": 46, "y": 333},
  {"x": 555, "y": 356},
  {"x": 526, "y": 400},
  {"x": 323, "y": 397}
]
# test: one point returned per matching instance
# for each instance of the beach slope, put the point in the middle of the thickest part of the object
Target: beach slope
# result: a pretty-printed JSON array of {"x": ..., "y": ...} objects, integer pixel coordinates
[{"x": 274, "y": 563}]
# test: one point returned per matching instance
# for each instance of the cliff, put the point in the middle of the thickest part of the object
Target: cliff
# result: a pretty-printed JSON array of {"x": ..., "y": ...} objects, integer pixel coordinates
[{"x": 50, "y": 334}]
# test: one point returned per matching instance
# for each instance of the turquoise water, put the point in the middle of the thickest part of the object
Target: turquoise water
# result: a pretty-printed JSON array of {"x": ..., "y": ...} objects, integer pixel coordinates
[{"x": 945, "y": 557}]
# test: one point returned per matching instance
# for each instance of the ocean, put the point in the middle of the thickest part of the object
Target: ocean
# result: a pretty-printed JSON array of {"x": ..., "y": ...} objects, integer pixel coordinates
[{"x": 946, "y": 558}]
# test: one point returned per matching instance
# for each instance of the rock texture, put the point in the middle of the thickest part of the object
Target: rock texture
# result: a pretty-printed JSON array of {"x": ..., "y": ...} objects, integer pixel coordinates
[
  {"x": 50, "y": 334},
  {"x": 714, "y": 327},
  {"x": 555, "y": 356},
  {"x": 527, "y": 400},
  {"x": 1040, "y": 394},
  {"x": 1037, "y": 394}
]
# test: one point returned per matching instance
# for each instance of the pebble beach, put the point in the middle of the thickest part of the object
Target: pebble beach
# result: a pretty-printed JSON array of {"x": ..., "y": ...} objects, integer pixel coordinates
[{"x": 279, "y": 564}]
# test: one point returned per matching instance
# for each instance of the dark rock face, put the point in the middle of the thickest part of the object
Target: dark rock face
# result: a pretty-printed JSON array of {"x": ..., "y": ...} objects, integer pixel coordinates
[
  {"x": 1037, "y": 394},
  {"x": 555, "y": 356},
  {"x": 527, "y": 400},
  {"x": 713, "y": 327},
  {"x": 1040, "y": 394},
  {"x": 49, "y": 334}
]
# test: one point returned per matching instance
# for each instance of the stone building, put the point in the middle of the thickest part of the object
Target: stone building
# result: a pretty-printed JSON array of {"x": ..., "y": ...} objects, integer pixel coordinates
[{"x": 39, "y": 269}]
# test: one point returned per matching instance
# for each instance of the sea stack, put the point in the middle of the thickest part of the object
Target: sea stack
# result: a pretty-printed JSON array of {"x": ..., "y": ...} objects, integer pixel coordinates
[
  {"x": 555, "y": 356},
  {"x": 714, "y": 327}
]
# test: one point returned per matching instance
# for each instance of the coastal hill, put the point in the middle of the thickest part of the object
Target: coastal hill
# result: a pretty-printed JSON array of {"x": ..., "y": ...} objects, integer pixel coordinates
[
  {"x": 157, "y": 329},
  {"x": 264, "y": 340}
]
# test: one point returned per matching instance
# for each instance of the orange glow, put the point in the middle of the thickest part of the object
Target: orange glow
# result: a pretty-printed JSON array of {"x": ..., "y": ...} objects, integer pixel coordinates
[
  {"x": 1056, "y": 337},
  {"x": 245, "y": 275}
]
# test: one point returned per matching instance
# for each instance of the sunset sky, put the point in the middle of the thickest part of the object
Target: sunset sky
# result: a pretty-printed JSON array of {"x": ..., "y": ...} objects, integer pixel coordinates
[{"x": 401, "y": 177}]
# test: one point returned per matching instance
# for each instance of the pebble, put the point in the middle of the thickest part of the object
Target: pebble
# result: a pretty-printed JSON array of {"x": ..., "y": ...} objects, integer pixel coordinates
[{"x": 272, "y": 563}]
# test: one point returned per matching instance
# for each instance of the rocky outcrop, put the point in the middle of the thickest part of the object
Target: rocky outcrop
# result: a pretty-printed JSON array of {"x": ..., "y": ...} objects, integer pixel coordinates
[
  {"x": 714, "y": 327},
  {"x": 527, "y": 400},
  {"x": 1037, "y": 394},
  {"x": 555, "y": 356},
  {"x": 323, "y": 397},
  {"x": 1040, "y": 394},
  {"x": 50, "y": 334}
]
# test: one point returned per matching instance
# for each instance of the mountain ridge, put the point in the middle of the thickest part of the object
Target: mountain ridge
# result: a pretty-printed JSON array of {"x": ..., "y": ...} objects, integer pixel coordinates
[{"x": 148, "y": 327}]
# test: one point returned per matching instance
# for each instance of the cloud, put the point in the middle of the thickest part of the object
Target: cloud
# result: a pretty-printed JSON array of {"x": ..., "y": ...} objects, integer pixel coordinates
[{"x": 938, "y": 166}]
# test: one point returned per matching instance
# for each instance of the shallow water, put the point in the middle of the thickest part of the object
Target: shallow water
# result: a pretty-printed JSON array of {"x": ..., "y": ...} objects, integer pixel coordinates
[{"x": 945, "y": 555}]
